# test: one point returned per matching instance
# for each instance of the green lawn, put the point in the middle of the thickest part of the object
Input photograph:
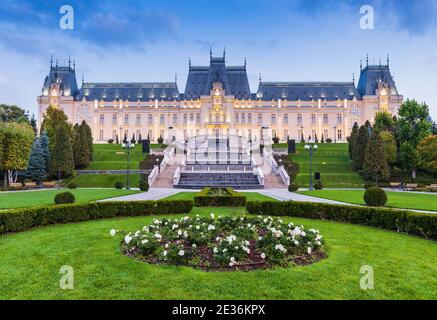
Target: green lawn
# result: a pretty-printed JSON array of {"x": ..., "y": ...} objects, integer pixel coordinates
[
  {"x": 408, "y": 200},
  {"x": 114, "y": 157},
  {"x": 332, "y": 161},
  {"x": 251, "y": 196},
  {"x": 104, "y": 180},
  {"x": 404, "y": 266},
  {"x": 19, "y": 199}
]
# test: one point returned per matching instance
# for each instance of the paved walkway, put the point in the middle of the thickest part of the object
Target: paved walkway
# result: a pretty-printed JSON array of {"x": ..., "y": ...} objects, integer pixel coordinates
[{"x": 279, "y": 194}]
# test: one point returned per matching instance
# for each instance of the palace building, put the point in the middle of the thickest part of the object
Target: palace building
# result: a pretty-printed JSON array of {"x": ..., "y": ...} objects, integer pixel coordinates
[{"x": 217, "y": 99}]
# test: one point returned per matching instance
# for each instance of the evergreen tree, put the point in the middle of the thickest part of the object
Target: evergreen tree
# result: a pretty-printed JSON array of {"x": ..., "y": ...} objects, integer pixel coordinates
[
  {"x": 133, "y": 138},
  {"x": 125, "y": 138},
  {"x": 140, "y": 140},
  {"x": 323, "y": 139},
  {"x": 359, "y": 150},
  {"x": 89, "y": 139},
  {"x": 44, "y": 144},
  {"x": 36, "y": 167},
  {"x": 389, "y": 143},
  {"x": 33, "y": 124},
  {"x": 80, "y": 149},
  {"x": 353, "y": 140},
  {"x": 375, "y": 165}
]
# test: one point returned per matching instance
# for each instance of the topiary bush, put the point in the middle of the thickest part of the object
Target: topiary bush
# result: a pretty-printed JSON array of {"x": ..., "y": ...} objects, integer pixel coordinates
[
  {"x": 65, "y": 198},
  {"x": 72, "y": 185},
  {"x": 318, "y": 185},
  {"x": 118, "y": 185},
  {"x": 144, "y": 185},
  {"x": 293, "y": 187},
  {"x": 375, "y": 197},
  {"x": 219, "y": 197}
]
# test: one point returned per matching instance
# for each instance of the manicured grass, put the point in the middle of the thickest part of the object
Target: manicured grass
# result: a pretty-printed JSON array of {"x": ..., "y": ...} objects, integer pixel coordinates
[
  {"x": 251, "y": 196},
  {"x": 114, "y": 157},
  {"x": 408, "y": 200},
  {"x": 404, "y": 266},
  {"x": 332, "y": 161},
  {"x": 104, "y": 180},
  {"x": 20, "y": 199}
]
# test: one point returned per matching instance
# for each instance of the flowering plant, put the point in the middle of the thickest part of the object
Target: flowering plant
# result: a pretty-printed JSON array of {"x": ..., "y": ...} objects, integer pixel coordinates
[{"x": 224, "y": 242}]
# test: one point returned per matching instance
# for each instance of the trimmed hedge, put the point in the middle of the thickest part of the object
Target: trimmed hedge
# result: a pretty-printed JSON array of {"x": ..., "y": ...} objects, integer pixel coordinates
[
  {"x": 16, "y": 220},
  {"x": 375, "y": 197},
  {"x": 64, "y": 198},
  {"x": 233, "y": 199},
  {"x": 415, "y": 223}
]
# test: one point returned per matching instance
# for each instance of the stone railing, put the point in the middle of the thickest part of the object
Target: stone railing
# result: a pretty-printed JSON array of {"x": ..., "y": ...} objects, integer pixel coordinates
[
  {"x": 260, "y": 176},
  {"x": 177, "y": 176},
  {"x": 153, "y": 175},
  {"x": 284, "y": 175}
]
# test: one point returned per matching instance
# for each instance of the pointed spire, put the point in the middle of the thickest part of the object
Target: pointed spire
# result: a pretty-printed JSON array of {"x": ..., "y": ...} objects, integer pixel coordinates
[
  {"x": 260, "y": 77},
  {"x": 353, "y": 78},
  {"x": 51, "y": 61},
  {"x": 388, "y": 60},
  {"x": 245, "y": 62},
  {"x": 74, "y": 64},
  {"x": 56, "y": 62},
  {"x": 361, "y": 65},
  {"x": 69, "y": 61},
  {"x": 380, "y": 62},
  {"x": 224, "y": 52},
  {"x": 189, "y": 62},
  {"x": 367, "y": 60},
  {"x": 175, "y": 78},
  {"x": 210, "y": 53}
]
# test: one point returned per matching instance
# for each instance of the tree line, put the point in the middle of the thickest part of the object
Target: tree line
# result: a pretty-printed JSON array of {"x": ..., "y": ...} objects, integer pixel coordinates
[
  {"x": 394, "y": 147},
  {"x": 59, "y": 149}
]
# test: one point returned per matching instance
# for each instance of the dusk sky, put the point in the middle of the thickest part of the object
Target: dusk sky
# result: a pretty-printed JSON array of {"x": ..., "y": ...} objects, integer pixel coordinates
[{"x": 114, "y": 41}]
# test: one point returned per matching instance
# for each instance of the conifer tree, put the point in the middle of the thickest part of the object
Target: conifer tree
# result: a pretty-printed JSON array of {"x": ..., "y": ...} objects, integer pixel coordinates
[
  {"x": 359, "y": 150},
  {"x": 80, "y": 147},
  {"x": 375, "y": 165},
  {"x": 353, "y": 140},
  {"x": 89, "y": 139},
  {"x": 36, "y": 167}
]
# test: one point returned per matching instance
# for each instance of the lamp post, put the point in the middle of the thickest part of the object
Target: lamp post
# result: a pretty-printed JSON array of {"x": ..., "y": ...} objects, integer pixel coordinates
[
  {"x": 335, "y": 134},
  {"x": 311, "y": 147},
  {"x": 128, "y": 145},
  {"x": 157, "y": 162}
]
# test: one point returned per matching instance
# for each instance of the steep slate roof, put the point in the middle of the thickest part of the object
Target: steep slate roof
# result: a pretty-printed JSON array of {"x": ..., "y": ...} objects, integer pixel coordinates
[
  {"x": 371, "y": 75},
  {"x": 306, "y": 91},
  {"x": 65, "y": 76},
  {"x": 132, "y": 91},
  {"x": 201, "y": 78}
]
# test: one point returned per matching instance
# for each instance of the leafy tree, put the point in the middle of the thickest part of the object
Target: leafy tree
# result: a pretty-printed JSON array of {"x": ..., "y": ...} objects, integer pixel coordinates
[
  {"x": 12, "y": 113},
  {"x": 413, "y": 125},
  {"x": 434, "y": 128},
  {"x": 359, "y": 150},
  {"x": 89, "y": 139},
  {"x": 16, "y": 141},
  {"x": 409, "y": 158},
  {"x": 383, "y": 122},
  {"x": 389, "y": 143},
  {"x": 80, "y": 149},
  {"x": 353, "y": 140},
  {"x": 427, "y": 150},
  {"x": 36, "y": 167},
  {"x": 375, "y": 165},
  {"x": 60, "y": 136}
]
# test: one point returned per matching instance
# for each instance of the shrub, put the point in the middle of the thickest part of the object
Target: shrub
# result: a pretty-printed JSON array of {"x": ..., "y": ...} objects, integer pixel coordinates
[
  {"x": 329, "y": 140},
  {"x": 118, "y": 185},
  {"x": 110, "y": 141},
  {"x": 64, "y": 198},
  {"x": 415, "y": 223},
  {"x": 160, "y": 140},
  {"x": 293, "y": 187},
  {"x": 275, "y": 140},
  {"x": 318, "y": 185},
  {"x": 375, "y": 197},
  {"x": 219, "y": 197},
  {"x": 15, "y": 220},
  {"x": 144, "y": 184},
  {"x": 72, "y": 185}
]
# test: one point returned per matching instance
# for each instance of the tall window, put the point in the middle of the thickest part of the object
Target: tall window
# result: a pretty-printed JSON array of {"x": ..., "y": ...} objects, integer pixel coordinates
[
  {"x": 273, "y": 119},
  {"x": 185, "y": 118},
  {"x": 249, "y": 118},
  {"x": 285, "y": 118},
  {"x": 197, "y": 117},
  {"x": 114, "y": 135},
  {"x": 102, "y": 119},
  {"x": 114, "y": 118},
  {"x": 299, "y": 119},
  {"x": 101, "y": 135},
  {"x": 339, "y": 134},
  {"x": 138, "y": 119},
  {"x": 285, "y": 134},
  {"x": 325, "y": 118},
  {"x": 126, "y": 119},
  {"x": 191, "y": 117},
  {"x": 150, "y": 118},
  {"x": 175, "y": 118},
  {"x": 161, "y": 118},
  {"x": 313, "y": 118},
  {"x": 339, "y": 118},
  {"x": 260, "y": 118},
  {"x": 237, "y": 118},
  {"x": 243, "y": 118},
  {"x": 325, "y": 134}
]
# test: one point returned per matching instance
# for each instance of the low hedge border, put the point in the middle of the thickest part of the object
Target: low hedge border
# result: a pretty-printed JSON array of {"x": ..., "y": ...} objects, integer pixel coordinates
[
  {"x": 234, "y": 199},
  {"x": 414, "y": 223},
  {"x": 15, "y": 220}
]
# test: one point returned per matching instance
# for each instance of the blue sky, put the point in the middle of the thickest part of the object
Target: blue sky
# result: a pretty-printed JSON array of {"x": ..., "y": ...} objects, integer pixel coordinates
[{"x": 152, "y": 40}]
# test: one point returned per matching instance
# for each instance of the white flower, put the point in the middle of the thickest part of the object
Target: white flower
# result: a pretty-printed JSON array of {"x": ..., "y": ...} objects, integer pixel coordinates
[
  {"x": 113, "y": 232},
  {"x": 232, "y": 259},
  {"x": 212, "y": 215},
  {"x": 215, "y": 250},
  {"x": 179, "y": 232},
  {"x": 263, "y": 255},
  {"x": 309, "y": 250},
  {"x": 194, "y": 245},
  {"x": 247, "y": 250},
  {"x": 281, "y": 248},
  {"x": 296, "y": 242},
  {"x": 164, "y": 253},
  {"x": 158, "y": 236},
  {"x": 127, "y": 239},
  {"x": 197, "y": 227},
  {"x": 181, "y": 252},
  {"x": 166, "y": 245},
  {"x": 175, "y": 226},
  {"x": 144, "y": 241},
  {"x": 318, "y": 243},
  {"x": 303, "y": 234},
  {"x": 211, "y": 227}
]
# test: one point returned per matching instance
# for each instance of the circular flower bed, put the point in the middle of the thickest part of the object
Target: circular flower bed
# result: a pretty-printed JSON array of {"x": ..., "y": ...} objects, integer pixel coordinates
[{"x": 224, "y": 243}]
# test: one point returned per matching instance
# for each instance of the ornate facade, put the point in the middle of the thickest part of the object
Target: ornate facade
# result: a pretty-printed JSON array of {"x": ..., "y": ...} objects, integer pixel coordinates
[{"x": 218, "y": 99}]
